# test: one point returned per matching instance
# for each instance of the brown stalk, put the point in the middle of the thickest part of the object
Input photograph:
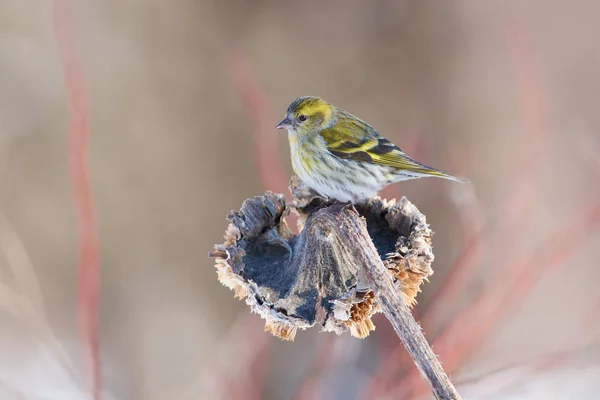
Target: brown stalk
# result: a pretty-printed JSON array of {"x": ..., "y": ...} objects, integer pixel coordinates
[{"x": 345, "y": 221}]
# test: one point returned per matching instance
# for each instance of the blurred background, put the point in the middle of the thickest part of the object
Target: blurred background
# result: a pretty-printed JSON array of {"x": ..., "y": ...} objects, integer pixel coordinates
[{"x": 182, "y": 98}]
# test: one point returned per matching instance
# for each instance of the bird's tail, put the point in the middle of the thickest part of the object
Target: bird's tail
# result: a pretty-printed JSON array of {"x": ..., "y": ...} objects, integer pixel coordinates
[{"x": 423, "y": 171}]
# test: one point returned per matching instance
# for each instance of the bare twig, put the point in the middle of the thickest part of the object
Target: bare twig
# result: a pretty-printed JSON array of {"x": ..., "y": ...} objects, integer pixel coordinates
[
  {"x": 390, "y": 300},
  {"x": 410, "y": 334}
]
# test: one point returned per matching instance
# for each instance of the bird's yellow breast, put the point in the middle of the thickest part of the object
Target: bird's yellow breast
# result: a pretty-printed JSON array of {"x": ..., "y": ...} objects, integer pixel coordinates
[{"x": 303, "y": 159}]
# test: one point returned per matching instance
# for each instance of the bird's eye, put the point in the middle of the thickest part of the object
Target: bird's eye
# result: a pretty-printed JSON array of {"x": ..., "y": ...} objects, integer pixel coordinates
[{"x": 301, "y": 117}]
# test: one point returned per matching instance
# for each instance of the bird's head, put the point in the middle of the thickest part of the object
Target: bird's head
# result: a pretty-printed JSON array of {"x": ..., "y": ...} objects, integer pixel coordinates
[{"x": 307, "y": 114}]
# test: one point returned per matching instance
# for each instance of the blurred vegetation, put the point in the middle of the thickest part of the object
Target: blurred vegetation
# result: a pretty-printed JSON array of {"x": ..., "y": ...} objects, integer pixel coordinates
[{"x": 503, "y": 93}]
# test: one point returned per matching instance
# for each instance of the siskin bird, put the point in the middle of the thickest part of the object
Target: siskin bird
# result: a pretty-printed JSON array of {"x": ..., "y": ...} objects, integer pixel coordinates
[{"x": 343, "y": 157}]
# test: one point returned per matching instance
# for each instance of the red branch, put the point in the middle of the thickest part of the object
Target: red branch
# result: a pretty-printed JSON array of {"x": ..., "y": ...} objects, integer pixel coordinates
[
  {"x": 272, "y": 175},
  {"x": 311, "y": 388},
  {"x": 265, "y": 137},
  {"x": 89, "y": 265},
  {"x": 481, "y": 316},
  {"x": 517, "y": 205},
  {"x": 249, "y": 383},
  {"x": 534, "y": 112}
]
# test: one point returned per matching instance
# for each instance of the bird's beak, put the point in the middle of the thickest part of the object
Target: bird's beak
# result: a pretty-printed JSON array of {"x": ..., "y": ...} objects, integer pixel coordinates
[{"x": 285, "y": 124}]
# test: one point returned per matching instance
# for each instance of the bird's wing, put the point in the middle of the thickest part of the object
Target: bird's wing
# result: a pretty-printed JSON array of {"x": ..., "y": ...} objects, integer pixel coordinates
[
  {"x": 349, "y": 142},
  {"x": 352, "y": 138}
]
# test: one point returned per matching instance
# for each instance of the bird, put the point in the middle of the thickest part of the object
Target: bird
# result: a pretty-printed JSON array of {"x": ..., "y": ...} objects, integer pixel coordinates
[{"x": 341, "y": 156}]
